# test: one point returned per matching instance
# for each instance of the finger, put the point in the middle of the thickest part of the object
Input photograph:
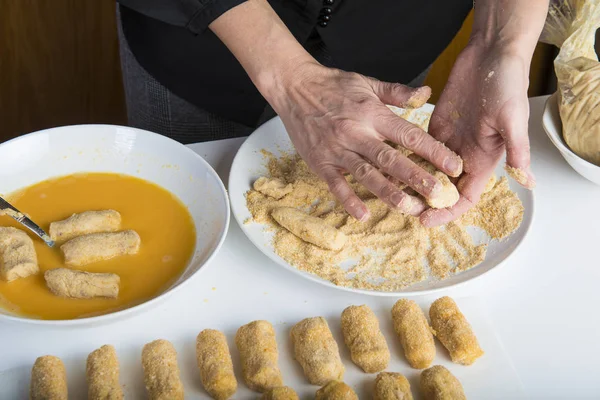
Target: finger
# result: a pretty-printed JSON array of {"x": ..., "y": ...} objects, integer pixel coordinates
[
  {"x": 471, "y": 187},
  {"x": 392, "y": 162},
  {"x": 371, "y": 178},
  {"x": 442, "y": 124},
  {"x": 340, "y": 188},
  {"x": 516, "y": 139},
  {"x": 396, "y": 182},
  {"x": 400, "y": 95},
  {"x": 414, "y": 138},
  {"x": 418, "y": 206},
  {"x": 441, "y": 216}
]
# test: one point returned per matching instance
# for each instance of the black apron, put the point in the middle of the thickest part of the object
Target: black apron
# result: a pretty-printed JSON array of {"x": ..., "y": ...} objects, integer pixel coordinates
[{"x": 391, "y": 40}]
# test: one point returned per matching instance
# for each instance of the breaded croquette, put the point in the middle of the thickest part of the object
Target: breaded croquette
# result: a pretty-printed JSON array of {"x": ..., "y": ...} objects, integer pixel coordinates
[
  {"x": 96, "y": 247},
  {"x": 48, "y": 379},
  {"x": 102, "y": 372},
  {"x": 437, "y": 383},
  {"x": 317, "y": 351},
  {"x": 161, "y": 371},
  {"x": 215, "y": 365},
  {"x": 67, "y": 282},
  {"x": 454, "y": 331},
  {"x": 310, "y": 229},
  {"x": 259, "y": 356},
  {"x": 272, "y": 187},
  {"x": 364, "y": 339},
  {"x": 85, "y": 223},
  {"x": 280, "y": 393},
  {"x": 17, "y": 255},
  {"x": 336, "y": 390},
  {"x": 414, "y": 333},
  {"x": 391, "y": 386}
]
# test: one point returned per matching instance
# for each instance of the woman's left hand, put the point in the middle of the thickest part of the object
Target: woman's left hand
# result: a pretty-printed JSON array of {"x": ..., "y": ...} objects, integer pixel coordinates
[{"x": 482, "y": 113}]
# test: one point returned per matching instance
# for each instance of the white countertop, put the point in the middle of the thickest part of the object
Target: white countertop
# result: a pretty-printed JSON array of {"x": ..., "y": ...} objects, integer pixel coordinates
[{"x": 538, "y": 311}]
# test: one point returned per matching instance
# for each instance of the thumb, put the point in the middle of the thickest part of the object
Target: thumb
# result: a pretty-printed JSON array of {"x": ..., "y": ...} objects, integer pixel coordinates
[
  {"x": 400, "y": 95},
  {"x": 518, "y": 157}
]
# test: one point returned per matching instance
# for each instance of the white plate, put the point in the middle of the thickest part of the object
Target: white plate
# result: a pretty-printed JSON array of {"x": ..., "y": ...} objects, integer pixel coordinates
[
  {"x": 105, "y": 148},
  {"x": 249, "y": 165}
]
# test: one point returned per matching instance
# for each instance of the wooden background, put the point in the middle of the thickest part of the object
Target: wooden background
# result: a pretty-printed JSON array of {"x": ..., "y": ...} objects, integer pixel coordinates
[{"x": 59, "y": 65}]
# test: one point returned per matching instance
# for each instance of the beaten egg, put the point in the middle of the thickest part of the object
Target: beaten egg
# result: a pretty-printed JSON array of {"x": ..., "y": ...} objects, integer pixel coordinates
[{"x": 166, "y": 228}]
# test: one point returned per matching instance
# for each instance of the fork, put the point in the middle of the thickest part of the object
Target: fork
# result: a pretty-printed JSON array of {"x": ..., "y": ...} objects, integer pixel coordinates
[{"x": 7, "y": 209}]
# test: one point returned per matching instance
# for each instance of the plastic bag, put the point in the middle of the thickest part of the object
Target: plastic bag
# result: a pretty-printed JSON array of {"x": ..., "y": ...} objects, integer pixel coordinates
[{"x": 571, "y": 25}]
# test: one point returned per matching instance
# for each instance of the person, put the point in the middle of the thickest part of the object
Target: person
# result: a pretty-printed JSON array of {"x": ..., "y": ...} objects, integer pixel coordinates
[{"x": 208, "y": 69}]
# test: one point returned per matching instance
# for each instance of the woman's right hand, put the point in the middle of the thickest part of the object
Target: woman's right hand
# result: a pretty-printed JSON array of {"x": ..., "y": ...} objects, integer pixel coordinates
[{"x": 339, "y": 122}]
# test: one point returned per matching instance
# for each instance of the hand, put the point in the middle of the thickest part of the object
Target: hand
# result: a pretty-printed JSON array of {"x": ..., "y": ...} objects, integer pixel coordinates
[
  {"x": 482, "y": 112},
  {"x": 338, "y": 123}
]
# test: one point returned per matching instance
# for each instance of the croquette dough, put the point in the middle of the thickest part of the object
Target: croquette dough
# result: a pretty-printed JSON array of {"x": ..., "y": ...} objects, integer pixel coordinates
[
  {"x": 454, "y": 331},
  {"x": 280, "y": 393},
  {"x": 310, "y": 229},
  {"x": 85, "y": 223},
  {"x": 272, "y": 187},
  {"x": 161, "y": 371},
  {"x": 87, "y": 249},
  {"x": 316, "y": 351},
  {"x": 102, "y": 372},
  {"x": 48, "y": 379},
  {"x": 391, "y": 386},
  {"x": 414, "y": 333},
  {"x": 336, "y": 390},
  {"x": 364, "y": 339},
  {"x": 448, "y": 194},
  {"x": 437, "y": 383},
  {"x": 215, "y": 365},
  {"x": 76, "y": 284},
  {"x": 259, "y": 356},
  {"x": 17, "y": 255}
]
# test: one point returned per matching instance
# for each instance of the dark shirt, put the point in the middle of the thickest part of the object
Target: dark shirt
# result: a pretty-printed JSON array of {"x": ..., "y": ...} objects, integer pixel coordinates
[{"x": 391, "y": 40}]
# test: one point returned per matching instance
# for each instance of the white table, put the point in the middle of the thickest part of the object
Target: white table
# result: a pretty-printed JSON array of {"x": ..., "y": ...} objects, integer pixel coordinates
[{"x": 542, "y": 304}]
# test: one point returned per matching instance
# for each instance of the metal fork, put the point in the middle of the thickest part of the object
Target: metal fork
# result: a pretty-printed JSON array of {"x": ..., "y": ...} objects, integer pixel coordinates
[{"x": 7, "y": 209}]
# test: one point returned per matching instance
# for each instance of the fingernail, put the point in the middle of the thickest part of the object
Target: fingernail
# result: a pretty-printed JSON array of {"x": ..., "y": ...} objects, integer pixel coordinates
[
  {"x": 362, "y": 214},
  {"x": 523, "y": 177},
  {"x": 401, "y": 201},
  {"x": 417, "y": 206},
  {"x": 436, "y": 189},
  {"x": 426, "y": 219},
  {"x": 453, "y": 165},
  {"x": 419, "y": 97}
]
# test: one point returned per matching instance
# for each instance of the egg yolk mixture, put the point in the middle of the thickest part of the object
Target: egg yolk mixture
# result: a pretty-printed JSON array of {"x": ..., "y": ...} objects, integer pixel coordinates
[{"x": 166, "y": 228}]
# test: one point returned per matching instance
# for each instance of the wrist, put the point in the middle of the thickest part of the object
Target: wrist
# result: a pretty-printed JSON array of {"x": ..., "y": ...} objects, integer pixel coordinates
[
  {"x": 490, "y": 58},
  {"x": 514, "y": 46},
  {"x": 277, "y": 81},
  {"x": 510, "y": 27},
  {"x": 264, "y": 46}
]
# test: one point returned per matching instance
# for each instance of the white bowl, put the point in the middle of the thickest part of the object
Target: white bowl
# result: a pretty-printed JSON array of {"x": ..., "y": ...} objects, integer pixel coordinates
[
  {"x": 553, "y": 126},
  {"x": 106, "y": 148}
]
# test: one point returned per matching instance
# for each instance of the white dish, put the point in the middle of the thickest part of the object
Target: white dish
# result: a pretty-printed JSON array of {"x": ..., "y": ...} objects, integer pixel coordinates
[
  {"x": 249, "y": 165},
  {"x": 105, "y": 148},
  {"x": 553, "y": 126}
]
